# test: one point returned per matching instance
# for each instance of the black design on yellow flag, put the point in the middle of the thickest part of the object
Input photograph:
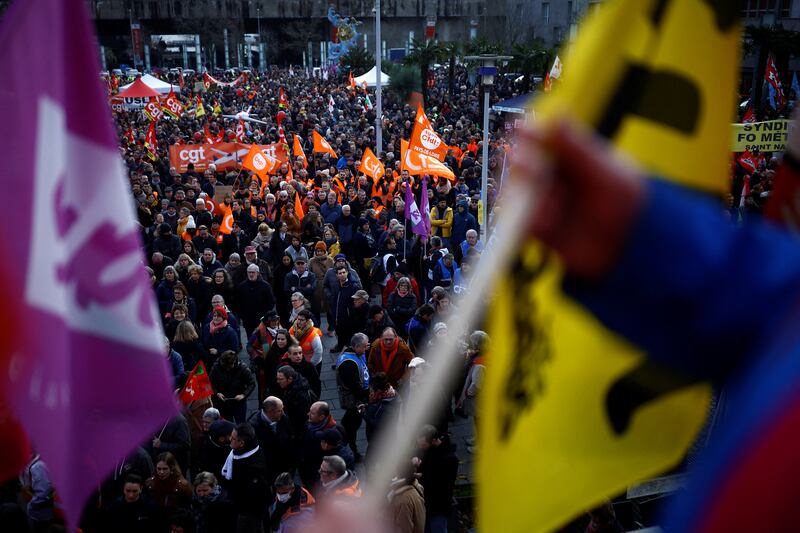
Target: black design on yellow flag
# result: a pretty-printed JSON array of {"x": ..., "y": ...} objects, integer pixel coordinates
[{"x": 572, "y": 413}]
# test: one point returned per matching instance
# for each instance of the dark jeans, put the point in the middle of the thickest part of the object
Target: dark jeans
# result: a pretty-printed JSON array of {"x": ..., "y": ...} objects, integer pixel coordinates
[{"x": 351, "y": 421}]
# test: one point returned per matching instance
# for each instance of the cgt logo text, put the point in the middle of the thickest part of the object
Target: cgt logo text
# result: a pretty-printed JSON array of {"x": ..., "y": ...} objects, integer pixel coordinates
[
  {"x": 429, "y": 139},
  {"x": 192, "y": 155}
]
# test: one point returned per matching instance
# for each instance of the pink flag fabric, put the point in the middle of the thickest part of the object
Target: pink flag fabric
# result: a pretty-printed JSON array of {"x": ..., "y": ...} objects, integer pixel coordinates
[{"x": 84, "y": 370}]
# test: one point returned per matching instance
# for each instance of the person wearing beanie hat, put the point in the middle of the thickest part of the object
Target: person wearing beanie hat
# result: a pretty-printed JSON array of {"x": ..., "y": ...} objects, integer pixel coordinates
[
  {"x": 215, "y": 446},
  {"x": 321, "y": 246},
  {"x": 377, "y": 321},
  {"x": 167, "y": 243}
]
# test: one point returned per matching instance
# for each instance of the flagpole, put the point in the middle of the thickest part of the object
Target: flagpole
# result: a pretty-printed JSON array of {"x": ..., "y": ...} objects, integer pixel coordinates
[{"x": 378, "y": 92}]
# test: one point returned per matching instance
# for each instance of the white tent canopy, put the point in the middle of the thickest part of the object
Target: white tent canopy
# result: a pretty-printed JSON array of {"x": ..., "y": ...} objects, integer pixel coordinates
[
  {"x": 155, "y": 84},
  {"x": 369, "y": 77}
]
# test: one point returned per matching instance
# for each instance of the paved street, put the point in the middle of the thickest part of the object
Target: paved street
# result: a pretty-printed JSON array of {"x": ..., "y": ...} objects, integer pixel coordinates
[{"x": 459, "y": 428}]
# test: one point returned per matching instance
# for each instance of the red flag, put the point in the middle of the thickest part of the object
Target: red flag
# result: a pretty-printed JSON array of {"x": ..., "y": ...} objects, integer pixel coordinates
[
  {"x": 198, "y": 385},
  {"x": 282, "y": 101},
  {"x": 776, "y": 97},
  {"x": 150, "y": 142},
  {"x": 207, "y": 80},
  {"x": 240, "y": 131},
  {"x": 548, "y": 85},
  {"x": 130, "y": 137},
  {"x": 298, "y": 206},
  {"x": 180, "y": 80},
  {"x": 749, "y": 117},
  {"x": 747, "y": 161}
]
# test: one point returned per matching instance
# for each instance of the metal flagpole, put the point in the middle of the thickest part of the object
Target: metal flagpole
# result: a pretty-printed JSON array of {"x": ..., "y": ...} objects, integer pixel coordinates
[{"x": 378, "y": 92}]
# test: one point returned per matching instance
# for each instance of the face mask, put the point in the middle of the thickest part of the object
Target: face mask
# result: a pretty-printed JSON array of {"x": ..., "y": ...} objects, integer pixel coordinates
[{"x": 283, "y": 498}]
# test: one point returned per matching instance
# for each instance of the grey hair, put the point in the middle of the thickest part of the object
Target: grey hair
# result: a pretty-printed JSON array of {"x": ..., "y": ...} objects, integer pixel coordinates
[
  {"x": 336, "y": 463},
  {"x": 359, "y": 338},
  {"x": 212, "y": 412}
]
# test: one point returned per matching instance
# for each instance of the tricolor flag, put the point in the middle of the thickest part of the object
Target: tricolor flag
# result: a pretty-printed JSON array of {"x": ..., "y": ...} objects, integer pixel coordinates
[
  {"x": 97, "y": 384},
  {"x": 367, "y": 103}
]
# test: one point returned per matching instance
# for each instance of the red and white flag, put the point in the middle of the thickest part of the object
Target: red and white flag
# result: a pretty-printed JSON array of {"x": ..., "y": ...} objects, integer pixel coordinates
[
  {"x": 748, "y": 162},
  {"x": 240, "y": 131},
  {"x": 97, "y": 383}
]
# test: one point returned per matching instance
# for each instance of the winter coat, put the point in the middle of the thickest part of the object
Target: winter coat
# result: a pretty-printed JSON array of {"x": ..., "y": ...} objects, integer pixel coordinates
[
  {"x": 402, "y": 308},
  {"x": 320, "y": 266},
  {"x": 305, "y": 284},
  {"x": 397, "y": 366},
  {"x": 297, "y": 400},
  {"x": 463, "y": 221},
  {"x": 442, "y": 223},
  {"x": 222, "y": 340},
  {"x": 277, "y": 443},
  {"x": 438, "y": 471},
  {"x": 341, "y": 305},
  {"x": 253, "y": 300},
  {"x": 407, "y": 507},
  {"x": 230, "y": 383},
  {"x": 249, "y": 487},
  {"x": 331, "y": 282}
]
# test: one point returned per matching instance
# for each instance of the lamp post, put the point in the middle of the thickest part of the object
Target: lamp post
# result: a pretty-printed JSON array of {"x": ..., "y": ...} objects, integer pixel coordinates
[
  {"x": 378, "y": 92},
  {"x": 487, "y": 72}
]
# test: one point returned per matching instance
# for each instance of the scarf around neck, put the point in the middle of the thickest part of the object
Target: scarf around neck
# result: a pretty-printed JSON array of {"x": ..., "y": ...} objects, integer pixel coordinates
[
  {"x": 388, "y": 358},
  {"x": 227, "y": 468},
  {"x": 215, "y": 328}
]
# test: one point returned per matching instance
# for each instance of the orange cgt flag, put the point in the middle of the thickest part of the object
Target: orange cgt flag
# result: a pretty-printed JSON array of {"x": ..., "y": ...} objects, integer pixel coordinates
[
  {"x": 259, "y": 162},
  {"x": 424, "y": 140},
  {"x": 298, "y": 206},
  {"x": 323, "y": 146},
  {"x": 297, "y": 149},
  {"x": 371, "y": 165},
  {"x": 418, "y": 164},
  {"x": 227, "y": 219}
]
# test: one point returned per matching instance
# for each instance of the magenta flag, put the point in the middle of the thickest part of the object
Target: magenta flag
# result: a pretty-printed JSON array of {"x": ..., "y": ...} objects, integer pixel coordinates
[
  {"x": 425, "y": 209},
  {"x": 84, "y": 370}
]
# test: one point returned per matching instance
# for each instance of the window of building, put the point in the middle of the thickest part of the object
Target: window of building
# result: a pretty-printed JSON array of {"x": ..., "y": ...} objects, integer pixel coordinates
[
  {"x": 757, "y": 8},
  {"x": 545, "y": 13},
  {"x": 569, "y": 12},
  {"x": 558, "y": 34}
]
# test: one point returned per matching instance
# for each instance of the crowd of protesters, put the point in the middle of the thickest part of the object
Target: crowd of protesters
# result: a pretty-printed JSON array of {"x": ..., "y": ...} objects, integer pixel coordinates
[{"x": 255, "y": 305}]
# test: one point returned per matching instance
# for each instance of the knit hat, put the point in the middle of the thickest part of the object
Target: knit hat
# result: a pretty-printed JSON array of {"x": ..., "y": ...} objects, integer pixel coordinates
[
  {"x": 221, "y": 311},
  {"x": 331, "y": 437},
  {"x": 340, "y": 257},
  {"x": 321, "y": 246}
]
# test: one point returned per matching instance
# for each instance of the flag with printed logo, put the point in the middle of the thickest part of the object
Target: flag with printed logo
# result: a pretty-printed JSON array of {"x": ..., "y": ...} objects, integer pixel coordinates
[
  {"x": 424, "y": 140},
  {"x": 151, "y": 143},
  {"x": 97, "y": 384},
  {"x": 576, "y": 401},
  {"x": 371, "y": 165},
  {"x": 198, "y": 385},
  {"x": 259, "y": 162},
  {"x": 297, "y": 149},
  {"x": 172, "y": 106},
  {"x": 322, "y": 146},
  {"x": 418, "y": 164}
]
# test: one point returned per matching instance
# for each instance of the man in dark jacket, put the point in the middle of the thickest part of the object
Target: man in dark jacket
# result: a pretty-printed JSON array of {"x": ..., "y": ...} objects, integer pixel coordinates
[
  {"x": 132, "y": 512},
  {"x": 297, "y": 398},
  {"x": 462, "y": 222},
  {"x": 352, "y": 378},
  {"x": 274, "y": 433},
  {"x": 203, "y": 239},
  {"x": 320, "y": 419},
  {"x": 346, "y": 229},
  {"x": 377, "y": 321},
  {"x": 209, "y": 262},
  {"x": 233, "y": 382},
  {"x": 236, "y": 242},
  {"x": 174, "y": 438},
  {"x": 301, "y": 280},
  {"x": 246, "y": 471},
  {"x": 341, "y": 306},
  {"x": 418, "y": 327},
  {"x": 167, "y": 243},
  {"x": 438, "y": 468},
  {"x": 254, "y": 298}
]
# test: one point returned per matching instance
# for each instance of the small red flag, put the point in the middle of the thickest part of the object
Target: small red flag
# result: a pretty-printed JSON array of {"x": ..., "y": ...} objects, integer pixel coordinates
[{"x": 198, "y": 385}]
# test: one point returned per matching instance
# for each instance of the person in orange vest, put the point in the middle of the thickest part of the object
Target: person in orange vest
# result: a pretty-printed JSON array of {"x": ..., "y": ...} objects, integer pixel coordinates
[
  {"x": 336, "y": 481},
  {"x": 293, "y": 508},
  {"x": 309, "y": 337}
]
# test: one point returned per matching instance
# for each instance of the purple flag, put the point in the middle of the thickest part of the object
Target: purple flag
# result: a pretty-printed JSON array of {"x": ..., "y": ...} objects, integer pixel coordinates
[
  {"x": 424, "y": 208},
  {"x": 413, "y": 214},
  {"x": 87, "y": 377}
]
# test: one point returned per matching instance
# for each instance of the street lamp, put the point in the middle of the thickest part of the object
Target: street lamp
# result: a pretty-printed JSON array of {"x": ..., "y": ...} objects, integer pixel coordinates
[{"x": 487, "y": 72}]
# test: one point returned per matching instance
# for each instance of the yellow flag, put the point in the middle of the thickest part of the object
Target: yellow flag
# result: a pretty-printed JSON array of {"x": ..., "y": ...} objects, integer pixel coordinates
[{"x": 560, "y": 430}]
